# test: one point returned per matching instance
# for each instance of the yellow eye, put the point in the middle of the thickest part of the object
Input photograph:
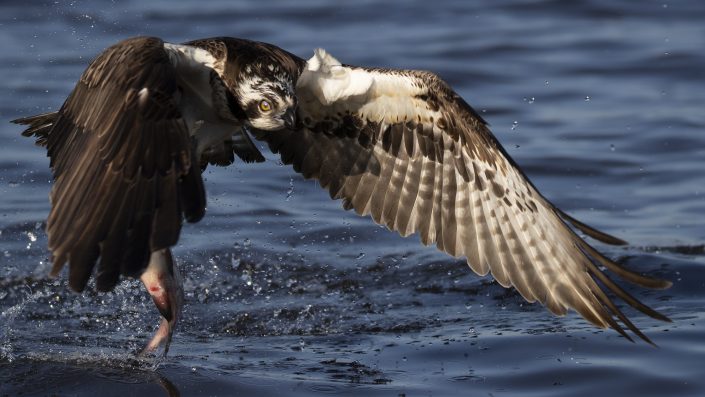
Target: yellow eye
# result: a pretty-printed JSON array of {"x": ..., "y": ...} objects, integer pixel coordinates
[{"x": 265, "y": 106}]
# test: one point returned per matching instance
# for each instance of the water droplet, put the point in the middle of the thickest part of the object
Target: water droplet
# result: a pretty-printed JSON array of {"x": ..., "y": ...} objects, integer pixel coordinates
[
  {"x": 290, "y": 190},
  {"x": 360, "y": 256},
  {"x": 587, "y": 98},
  {"x": 612, "y": 147},
  {"x": 234, "y": 262},
  {"x": 515, "y": 124}
]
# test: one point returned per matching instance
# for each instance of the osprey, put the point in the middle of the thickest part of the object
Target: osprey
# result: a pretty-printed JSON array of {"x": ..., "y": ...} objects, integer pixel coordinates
[{"x": 146, "y": 117}]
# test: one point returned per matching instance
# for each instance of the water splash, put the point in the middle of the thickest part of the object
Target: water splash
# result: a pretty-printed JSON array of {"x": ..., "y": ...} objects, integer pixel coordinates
[
  {"x": 8, "y": 319},
  {"x": 104, "y": 361}
]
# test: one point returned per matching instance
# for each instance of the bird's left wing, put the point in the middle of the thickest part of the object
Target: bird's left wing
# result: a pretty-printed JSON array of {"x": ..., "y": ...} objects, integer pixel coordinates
[{"x": 403, "y": 147}]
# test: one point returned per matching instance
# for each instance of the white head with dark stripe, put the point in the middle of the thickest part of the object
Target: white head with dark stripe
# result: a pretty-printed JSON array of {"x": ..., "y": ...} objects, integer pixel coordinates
[{"x": 265, "y": 93}]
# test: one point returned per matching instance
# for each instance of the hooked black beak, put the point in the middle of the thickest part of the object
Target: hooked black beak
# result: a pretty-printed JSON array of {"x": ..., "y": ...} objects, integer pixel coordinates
[{"x": 289, "y": 118}]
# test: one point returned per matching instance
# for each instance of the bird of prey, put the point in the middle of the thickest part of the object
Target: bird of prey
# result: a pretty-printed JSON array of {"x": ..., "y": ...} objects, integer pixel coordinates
[{"x": 146, "y": 117}]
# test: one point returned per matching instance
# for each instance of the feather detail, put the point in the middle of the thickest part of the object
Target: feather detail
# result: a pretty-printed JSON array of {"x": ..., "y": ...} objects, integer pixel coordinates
[{"x": 417, "y": 158}]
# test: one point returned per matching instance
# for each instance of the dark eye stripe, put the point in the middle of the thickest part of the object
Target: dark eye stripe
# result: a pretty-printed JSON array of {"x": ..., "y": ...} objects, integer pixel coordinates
[{"x": 252, "y": 111}]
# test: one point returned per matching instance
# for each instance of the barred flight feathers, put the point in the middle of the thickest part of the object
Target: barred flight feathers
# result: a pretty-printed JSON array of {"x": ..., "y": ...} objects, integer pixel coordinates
[{"x": 404, "y": 148}]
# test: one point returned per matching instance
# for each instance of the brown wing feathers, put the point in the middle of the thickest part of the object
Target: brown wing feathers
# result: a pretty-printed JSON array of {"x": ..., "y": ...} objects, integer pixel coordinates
[
  {"x": 123, "y": 165},
  {"x": 39, "y": 126}
]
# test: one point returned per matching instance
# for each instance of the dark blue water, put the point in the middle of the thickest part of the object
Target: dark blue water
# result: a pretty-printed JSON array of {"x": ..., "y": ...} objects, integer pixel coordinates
[{"x": 600, "y": 102}]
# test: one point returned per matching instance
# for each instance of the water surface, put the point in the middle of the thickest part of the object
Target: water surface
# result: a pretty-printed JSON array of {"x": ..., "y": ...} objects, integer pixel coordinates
[{"x": 600, "y": 102}]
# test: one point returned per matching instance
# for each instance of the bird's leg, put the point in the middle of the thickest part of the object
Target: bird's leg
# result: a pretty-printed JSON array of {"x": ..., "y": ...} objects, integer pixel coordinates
[{"x": 163, "y": 281}]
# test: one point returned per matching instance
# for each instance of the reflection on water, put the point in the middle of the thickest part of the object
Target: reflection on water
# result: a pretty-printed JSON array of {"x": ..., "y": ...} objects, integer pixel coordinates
[
  {"x": 46, "y": 371},
  {"x": 289, "y": 295}
]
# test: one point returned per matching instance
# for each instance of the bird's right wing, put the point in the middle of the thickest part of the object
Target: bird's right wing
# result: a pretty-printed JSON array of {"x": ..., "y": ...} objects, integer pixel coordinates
[{"x": 125, "y": 174}]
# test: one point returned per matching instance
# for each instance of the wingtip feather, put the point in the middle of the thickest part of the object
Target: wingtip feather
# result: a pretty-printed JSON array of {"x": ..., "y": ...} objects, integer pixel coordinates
[
  {"x": 591, "y": 231},
  {"x": 626, "y": 274}
]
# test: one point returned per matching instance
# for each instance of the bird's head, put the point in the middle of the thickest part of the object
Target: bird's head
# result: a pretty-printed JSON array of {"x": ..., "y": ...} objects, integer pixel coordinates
[{"x": 266, "y": 94}]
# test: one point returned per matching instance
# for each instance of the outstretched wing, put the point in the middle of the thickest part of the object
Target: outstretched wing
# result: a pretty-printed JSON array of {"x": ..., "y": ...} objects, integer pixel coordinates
[
  {"x": 124, "y": 171},
  {"x": 402, "y": 147}
]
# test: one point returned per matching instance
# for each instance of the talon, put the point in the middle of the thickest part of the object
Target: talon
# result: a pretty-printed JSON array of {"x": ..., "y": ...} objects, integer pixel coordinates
[{"x": 163, "y": 282}]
